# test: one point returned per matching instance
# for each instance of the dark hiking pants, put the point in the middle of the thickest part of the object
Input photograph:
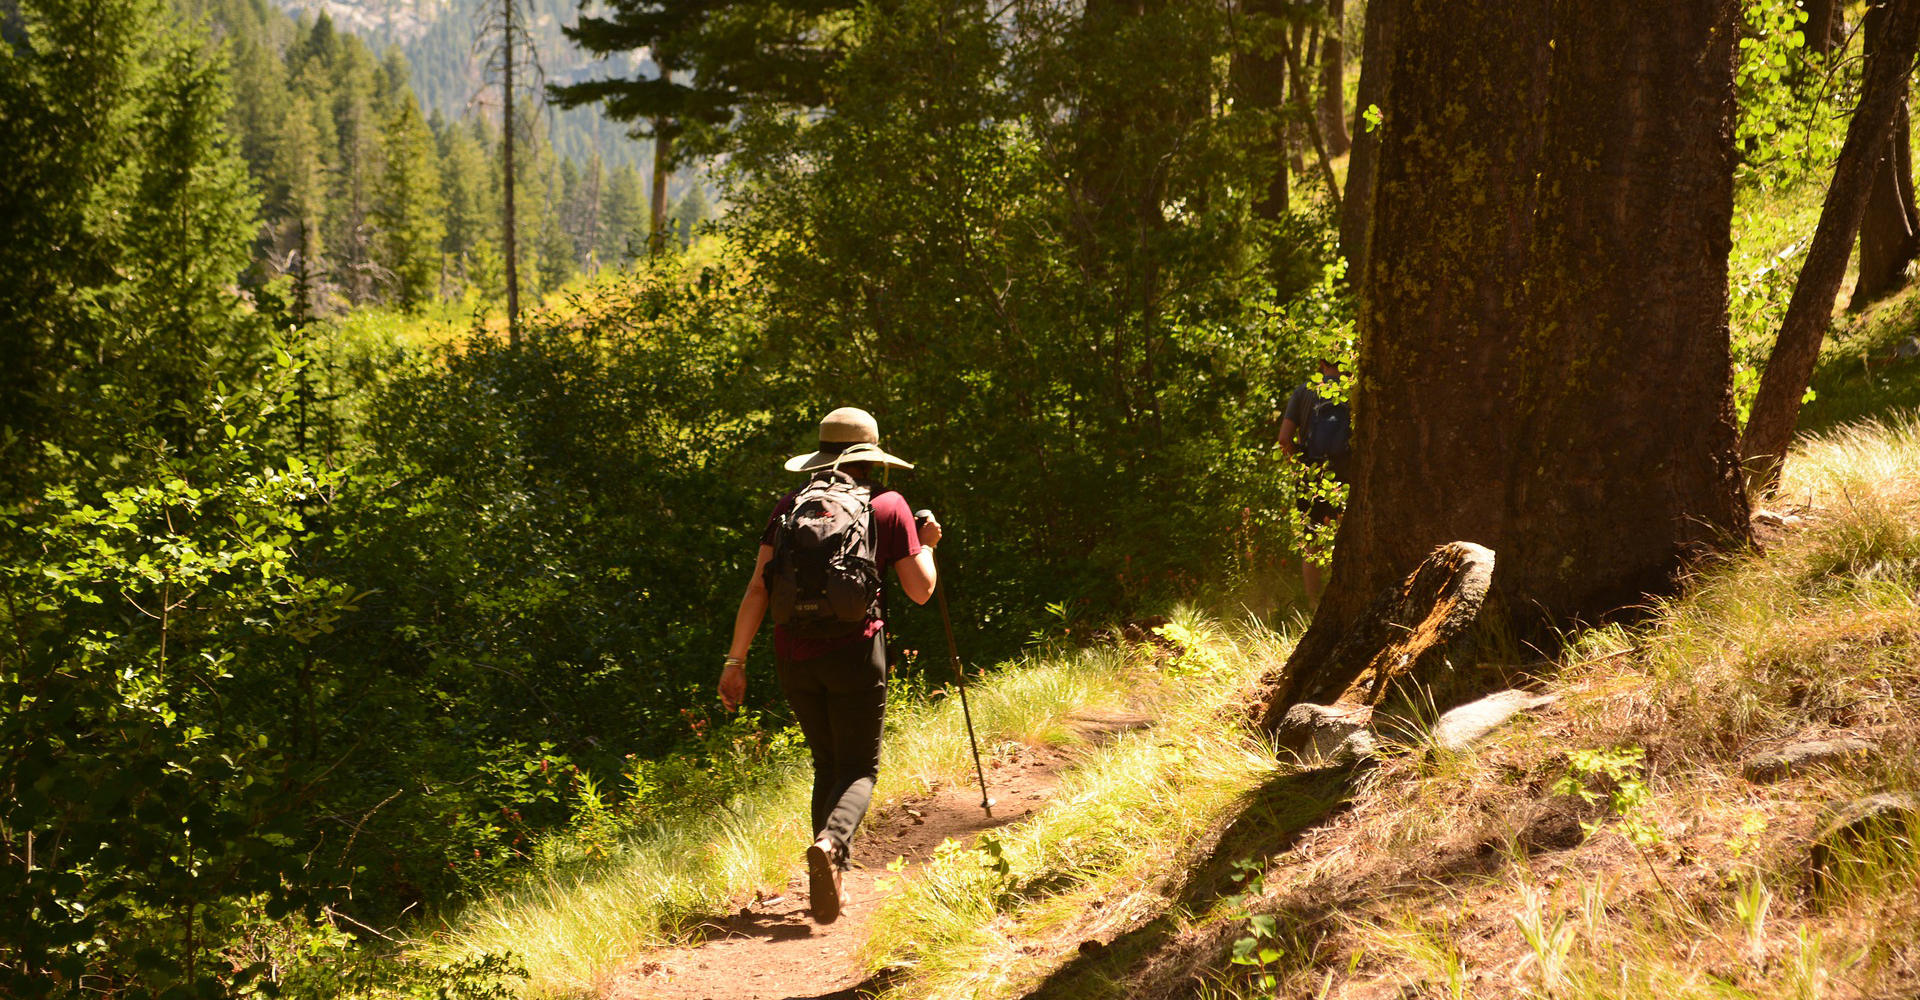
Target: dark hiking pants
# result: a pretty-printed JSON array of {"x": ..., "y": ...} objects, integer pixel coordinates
[{"x": 840, "y": 699}]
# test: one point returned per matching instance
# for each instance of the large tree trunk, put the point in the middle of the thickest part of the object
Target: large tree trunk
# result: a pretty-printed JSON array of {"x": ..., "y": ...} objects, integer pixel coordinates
[
  {"x": 1790, "y": 367},
  {"x": 1333, "y": 82},
  {"x": 1260, "y": 79},
  {"x": 1543, "y": 369},
  {"x": 1362, "y": 166},
  {"x": 662, "y": 172},
  {"x": 1889, "y": 229},
  {"x": 1826, "y": 26},
  {"x": 1629, "y": 275}
]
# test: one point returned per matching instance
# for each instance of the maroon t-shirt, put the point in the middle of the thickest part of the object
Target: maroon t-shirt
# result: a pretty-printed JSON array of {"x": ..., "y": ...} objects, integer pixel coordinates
[{"x": 895, "y": 537}]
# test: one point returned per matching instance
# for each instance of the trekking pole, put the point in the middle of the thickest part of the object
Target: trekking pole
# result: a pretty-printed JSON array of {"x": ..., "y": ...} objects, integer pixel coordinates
[{"x": 960, "y": 677}]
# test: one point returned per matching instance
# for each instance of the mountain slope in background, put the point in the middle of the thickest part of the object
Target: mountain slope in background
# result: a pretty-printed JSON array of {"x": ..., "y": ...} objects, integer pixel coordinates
[{"x": 449, "y": 74}]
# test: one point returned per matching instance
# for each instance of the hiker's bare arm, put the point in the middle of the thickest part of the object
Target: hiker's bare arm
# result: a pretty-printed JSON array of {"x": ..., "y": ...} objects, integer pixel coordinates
[
  {"x": 753, "y": 607},
  {"x": 1288, "y": 429},
  {"x": 916, "y": 572}
]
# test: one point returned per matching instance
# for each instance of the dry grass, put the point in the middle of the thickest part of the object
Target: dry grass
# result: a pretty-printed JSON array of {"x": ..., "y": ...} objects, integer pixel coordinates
[
  {"x": 573, "y": 930},
  {"x": 1472, "y": 876},
  {"x": 1432, "y": 874},
  {"x": 987, "y": 923},
  {"x": 1481, "y": 874}
]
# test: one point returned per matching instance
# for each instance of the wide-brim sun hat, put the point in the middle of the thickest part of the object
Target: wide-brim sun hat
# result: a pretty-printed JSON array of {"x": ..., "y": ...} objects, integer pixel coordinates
[{"x": 848, "y": 434}]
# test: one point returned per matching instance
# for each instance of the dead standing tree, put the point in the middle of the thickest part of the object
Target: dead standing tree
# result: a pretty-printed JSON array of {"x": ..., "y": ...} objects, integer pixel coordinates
[{"x": 503, "y": 41}]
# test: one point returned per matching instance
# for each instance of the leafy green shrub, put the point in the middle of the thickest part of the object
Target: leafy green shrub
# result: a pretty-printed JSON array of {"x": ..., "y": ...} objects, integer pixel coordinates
[{"x": 155, "y": 748}]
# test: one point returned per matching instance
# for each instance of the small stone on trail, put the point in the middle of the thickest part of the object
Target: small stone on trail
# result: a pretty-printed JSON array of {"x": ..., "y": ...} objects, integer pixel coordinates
[
  {"x": 1777, "y": 764},
  {"x": 1459, "y": 729}
]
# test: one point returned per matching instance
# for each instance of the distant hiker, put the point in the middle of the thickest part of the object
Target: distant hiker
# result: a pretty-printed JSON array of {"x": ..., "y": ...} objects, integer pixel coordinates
[
  {"x": 1318, "y": 431},
  {"x": 820, "y": 573}
]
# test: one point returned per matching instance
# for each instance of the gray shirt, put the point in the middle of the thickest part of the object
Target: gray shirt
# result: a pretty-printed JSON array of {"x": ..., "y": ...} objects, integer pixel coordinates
[{"x": 1300, "y": 406}]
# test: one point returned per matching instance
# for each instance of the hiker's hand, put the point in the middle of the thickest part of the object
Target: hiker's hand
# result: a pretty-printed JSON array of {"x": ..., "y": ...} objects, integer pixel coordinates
[
  {"x": 928, "y": 527},
  {"x": 733, "y": 685}
]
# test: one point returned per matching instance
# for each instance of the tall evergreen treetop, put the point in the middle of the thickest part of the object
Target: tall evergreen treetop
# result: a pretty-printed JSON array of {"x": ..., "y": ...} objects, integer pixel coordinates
[{"x": 711, "y": 57}]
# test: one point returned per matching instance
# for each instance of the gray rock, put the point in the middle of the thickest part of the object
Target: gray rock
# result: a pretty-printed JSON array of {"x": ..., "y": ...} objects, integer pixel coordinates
[
  {"x": 1908, "y": 349},
  {"x": 1357, "y": 748},
  {"x": 1458, "y": 730},
  {"x": 1864, "y": 832},
  {"x": 1777, "y": 764},
  {"x": 1321, "y": 734}
]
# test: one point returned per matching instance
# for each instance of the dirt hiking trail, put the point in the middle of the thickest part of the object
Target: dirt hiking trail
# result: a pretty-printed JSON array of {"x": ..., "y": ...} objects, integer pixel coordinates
[{"x": 770, "y": 948}]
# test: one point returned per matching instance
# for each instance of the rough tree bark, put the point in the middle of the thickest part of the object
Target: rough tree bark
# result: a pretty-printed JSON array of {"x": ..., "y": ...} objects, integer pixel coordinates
[
  {"x": 1890, "y": 228},
  {"x": 663, "y": 131},
  {"x": 1406, "y": 630},
  {"x": 1333, "y": 82},
  {"x": 657, "y": 202},
  {"x": 1543, "y": 369},
  {"x": 1260, "y": 79},
  {"x": 1790, "y": 366},
  {"x": 1362, "y": 166},
  {"x": 1825, "y": 27},
  {"x": 1889, "y": 225}
]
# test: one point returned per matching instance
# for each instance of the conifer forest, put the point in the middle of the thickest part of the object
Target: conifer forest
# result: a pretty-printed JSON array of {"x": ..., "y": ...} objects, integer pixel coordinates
[{"x": 393, "y": 392}]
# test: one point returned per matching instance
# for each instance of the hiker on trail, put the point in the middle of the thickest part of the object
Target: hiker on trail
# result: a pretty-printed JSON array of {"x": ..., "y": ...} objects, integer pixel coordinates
[
  {"x": 819, "y": 572},
  {"x": 1317, "y": 430}
]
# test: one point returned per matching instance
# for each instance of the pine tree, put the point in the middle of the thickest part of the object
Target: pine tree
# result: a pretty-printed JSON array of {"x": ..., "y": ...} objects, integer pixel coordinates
[
  {"x": 709, "y": 59},
  {"x": 1544, "y": 340},
  {"x": 412, "y": 210},
  {"x": 689, "y": 212},
  {"x": 128, "y": 218},
  {"x": 472, "y": 215},
  {"x": 189, "y": 235},
  {"x": 624, "y": 234},
  {"x": 357, "y": 167},
  {"x": 296, "y": 204},
  {"x": 70, "y": 90}
]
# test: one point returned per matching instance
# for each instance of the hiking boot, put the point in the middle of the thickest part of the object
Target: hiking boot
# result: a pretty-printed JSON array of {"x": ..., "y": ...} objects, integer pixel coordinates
[{"x": 823, "y": 880}]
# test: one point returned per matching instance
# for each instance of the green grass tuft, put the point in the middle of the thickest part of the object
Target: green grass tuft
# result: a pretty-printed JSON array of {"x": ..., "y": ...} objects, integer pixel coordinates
[{"x": 575, "y": 925}]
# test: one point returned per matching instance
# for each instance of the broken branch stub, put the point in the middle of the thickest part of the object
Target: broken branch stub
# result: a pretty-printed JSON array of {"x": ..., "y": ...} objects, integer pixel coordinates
[{"x": 1403, "y": 632}]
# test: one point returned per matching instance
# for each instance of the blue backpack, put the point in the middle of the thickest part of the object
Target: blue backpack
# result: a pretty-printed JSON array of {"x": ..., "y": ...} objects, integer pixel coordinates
[{"x": 1329, "y": 436}]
